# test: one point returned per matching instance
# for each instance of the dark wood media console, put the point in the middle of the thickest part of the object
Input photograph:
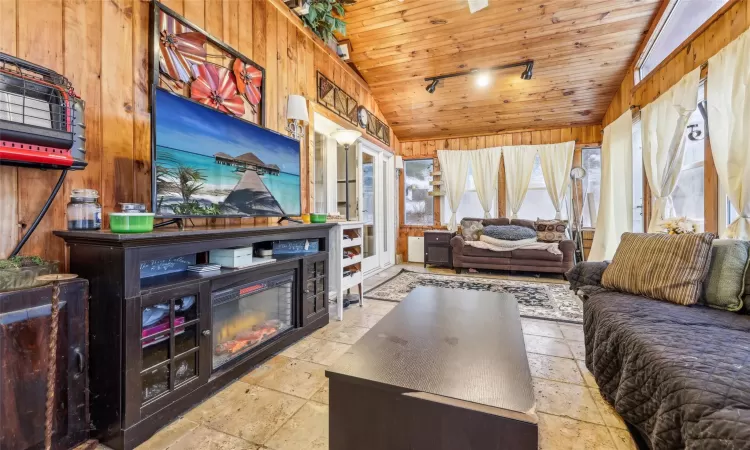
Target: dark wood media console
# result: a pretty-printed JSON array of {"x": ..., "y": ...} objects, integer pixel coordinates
[{"x": 143, "y": 375}]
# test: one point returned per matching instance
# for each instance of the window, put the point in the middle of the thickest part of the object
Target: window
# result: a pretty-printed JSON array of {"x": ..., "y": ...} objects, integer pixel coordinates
[
  {"x": 469, "y": 206},
  {"x": 537, "y": 204},
  {"x": 733, "y": 214},
  {"x": 418, "y": 203},
  {"x": 592, "y": 182},
  {"x": 727, "y": 211},
  {"x": 680, "y": 20},
  {"x": 689, "y": 193}
]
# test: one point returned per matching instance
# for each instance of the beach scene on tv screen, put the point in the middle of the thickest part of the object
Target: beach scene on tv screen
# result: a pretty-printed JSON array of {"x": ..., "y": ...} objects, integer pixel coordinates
[{"x": 208, "y": 163}]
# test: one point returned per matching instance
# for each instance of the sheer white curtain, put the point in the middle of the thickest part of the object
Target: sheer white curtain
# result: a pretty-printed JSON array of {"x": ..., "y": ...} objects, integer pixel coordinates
[
  {"x": 454, "y": 166},
  {"x": 519, "y": 162},
  {"x": 664, "y": 121},
  {"x": 615, "y": 214},
  {"x": 485, "y": 168},
  {"x": 557, "y": 160},
  {"x": 729, "y": 127}
]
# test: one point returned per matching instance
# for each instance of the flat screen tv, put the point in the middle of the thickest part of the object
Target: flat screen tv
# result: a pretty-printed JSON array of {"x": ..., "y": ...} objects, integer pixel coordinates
[{"x": 208, "y": 164}]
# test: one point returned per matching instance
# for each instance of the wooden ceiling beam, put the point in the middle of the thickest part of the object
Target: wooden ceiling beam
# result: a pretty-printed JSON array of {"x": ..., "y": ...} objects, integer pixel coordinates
[
  {"x": 505, "y": 129},
  {"x": 489, "y": 113}
]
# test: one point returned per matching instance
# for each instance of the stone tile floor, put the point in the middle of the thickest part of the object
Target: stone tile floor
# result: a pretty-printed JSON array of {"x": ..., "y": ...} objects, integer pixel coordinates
[{"x": 283, "y": 403}]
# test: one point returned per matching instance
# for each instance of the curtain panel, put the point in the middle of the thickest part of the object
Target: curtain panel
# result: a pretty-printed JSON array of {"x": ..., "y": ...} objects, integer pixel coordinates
[
  {"x": 485, "y": 167},
  {"x": 663, "y": 124},
  {"x": 557, "y": 160},
  {"x": 519, "y": 163},
  {"x": 454, "y": 166},
  {"x": 615, "y": 214},
  {"x": 728, "y": 95}
]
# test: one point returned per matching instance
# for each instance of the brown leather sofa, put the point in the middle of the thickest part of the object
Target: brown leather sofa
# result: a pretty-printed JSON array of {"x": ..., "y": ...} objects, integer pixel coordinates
[{"x": 466, "y": 256}]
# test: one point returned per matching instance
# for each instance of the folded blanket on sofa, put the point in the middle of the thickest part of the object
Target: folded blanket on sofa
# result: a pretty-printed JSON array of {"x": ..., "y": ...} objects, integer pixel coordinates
[{"x": 498, "y": 245}]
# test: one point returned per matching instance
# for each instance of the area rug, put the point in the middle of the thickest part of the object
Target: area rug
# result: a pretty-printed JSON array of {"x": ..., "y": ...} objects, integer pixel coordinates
[{"x": 549, "y": 301}]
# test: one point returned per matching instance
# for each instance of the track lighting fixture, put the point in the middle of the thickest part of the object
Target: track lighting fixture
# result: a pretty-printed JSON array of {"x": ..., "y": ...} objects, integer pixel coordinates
[
  {"x": 527, "y": 74},
  {"x": 483, "y": 76}
]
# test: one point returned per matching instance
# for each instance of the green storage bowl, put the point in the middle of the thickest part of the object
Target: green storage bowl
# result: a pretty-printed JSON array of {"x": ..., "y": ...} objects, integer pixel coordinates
[
  {"x": 131, "y": 222},
  {"x": 318, "y": 218}
]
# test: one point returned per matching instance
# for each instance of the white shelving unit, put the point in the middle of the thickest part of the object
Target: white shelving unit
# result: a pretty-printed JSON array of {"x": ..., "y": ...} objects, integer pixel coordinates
[{"x": 347, "y": 253}]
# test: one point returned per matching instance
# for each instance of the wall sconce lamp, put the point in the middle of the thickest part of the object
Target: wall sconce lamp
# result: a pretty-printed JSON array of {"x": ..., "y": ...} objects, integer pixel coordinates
[
  {"x": 483, "y": 75},
  {"x": 399, "y": 162},
  {"x": 296, "y": 115}
]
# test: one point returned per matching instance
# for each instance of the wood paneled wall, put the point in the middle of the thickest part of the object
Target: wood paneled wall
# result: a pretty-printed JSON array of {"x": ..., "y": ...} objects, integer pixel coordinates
[
  {"x": 102, "y": 47},
  {"x": 726, "y": 25},
  {"x": 428, "y": 149}
]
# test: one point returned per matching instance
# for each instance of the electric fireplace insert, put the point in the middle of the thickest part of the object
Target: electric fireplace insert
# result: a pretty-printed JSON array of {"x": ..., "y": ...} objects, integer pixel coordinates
[{"x": 249, "y": 314}]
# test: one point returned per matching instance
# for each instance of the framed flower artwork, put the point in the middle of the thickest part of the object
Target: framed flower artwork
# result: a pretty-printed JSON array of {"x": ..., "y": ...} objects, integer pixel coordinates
[{"x": 190, "y": 62}]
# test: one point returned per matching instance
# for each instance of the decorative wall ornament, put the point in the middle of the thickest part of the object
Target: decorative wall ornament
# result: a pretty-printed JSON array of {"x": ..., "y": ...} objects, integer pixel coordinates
[
  {"x": 377, "y": 129},
  {"x": 249, "y": 80},
  {"x": 214, "y": 86},
  {"x": 180, "y": 47},
  {"x": 335, "y": 99},
  {"x": 189, "y": 62}
]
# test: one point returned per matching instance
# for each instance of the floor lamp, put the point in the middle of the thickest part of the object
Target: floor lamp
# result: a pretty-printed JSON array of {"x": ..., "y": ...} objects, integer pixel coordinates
[
  {"x": 346, "y": 138},
  {"x": 578, "y": 174}
]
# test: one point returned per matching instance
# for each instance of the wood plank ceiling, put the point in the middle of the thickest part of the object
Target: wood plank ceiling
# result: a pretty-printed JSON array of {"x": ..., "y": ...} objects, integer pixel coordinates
[{"x": 581, "y": 49}]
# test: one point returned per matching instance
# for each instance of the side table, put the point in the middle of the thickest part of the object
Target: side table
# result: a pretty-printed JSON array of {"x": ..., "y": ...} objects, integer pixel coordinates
[{"x": 437, "y": 248}]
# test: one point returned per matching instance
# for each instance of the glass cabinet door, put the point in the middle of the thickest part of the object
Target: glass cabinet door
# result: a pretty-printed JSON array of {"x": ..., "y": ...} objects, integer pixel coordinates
[
  {"x": 315, "y": 283},
  {"x": 170, "y": 341}
]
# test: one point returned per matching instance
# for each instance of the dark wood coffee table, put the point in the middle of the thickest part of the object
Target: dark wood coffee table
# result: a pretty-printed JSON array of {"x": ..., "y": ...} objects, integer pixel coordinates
[{"x": 445, "y": 370}]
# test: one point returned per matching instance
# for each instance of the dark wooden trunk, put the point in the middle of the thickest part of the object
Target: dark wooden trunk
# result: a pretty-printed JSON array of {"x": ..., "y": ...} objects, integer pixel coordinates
[{"x": 24, "y": 351}]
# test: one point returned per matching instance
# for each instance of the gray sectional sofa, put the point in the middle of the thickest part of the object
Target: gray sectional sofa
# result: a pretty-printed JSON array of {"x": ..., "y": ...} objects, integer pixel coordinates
[{"x": 678, "y": 375}]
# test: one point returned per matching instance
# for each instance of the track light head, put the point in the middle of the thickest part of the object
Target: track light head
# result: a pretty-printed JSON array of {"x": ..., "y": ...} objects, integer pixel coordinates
[
  {"x": 527, "y": 73},
  {"x": 483, "y": 78},
  {"x": 431, "y": 88}
]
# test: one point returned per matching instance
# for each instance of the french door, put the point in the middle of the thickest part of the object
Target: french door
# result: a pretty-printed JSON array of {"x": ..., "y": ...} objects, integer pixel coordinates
[{"x": 377, "y": 207}]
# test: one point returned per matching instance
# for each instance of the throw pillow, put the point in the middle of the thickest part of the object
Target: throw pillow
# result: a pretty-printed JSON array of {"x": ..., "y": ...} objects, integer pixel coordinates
[
  {"x": 725, "y": 283},
  {"x": 471, "y": 229},
  {"x": 551, "y": 230},
  {"x": 508, "y": 232},
  {"x": 661, "y": 266}
]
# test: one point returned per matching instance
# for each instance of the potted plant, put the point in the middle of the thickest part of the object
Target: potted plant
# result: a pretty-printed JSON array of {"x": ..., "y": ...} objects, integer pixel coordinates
[
  {"x": 19, "y": 272},
  {"x": 300, "y": 7},
  {"x": 326, "y": 17}
]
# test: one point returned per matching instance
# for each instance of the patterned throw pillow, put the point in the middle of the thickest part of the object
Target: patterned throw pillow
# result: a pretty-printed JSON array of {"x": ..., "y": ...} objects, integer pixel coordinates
[
  {"x": 471, "y": 229},
  {"x": 725, "y": 283},
  {"x": 661, "y": 266},
  {"x": 551, "y": 230}
]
